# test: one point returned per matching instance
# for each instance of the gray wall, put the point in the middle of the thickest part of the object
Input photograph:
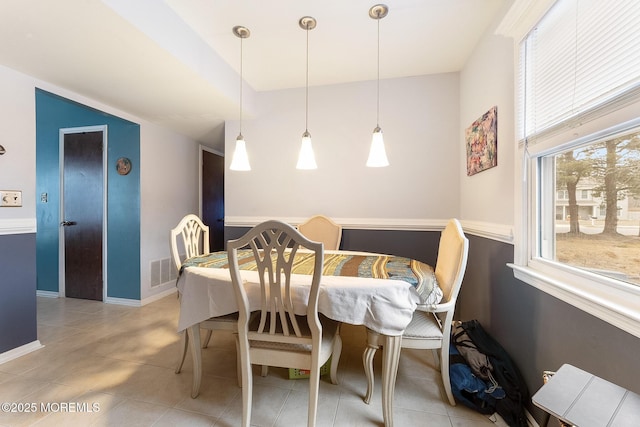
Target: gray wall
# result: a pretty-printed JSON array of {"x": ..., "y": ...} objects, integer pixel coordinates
[
  {"x": 539, "y": 331},
  {"x": 17, "y": 290}
]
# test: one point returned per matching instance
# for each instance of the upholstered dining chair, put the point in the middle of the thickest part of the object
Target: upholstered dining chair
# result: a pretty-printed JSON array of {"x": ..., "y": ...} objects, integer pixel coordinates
[
  {"x": 320, "y": 228},
  {"x": 194, "y": 235},
  {"x": 276, "y": 336},
  {"x": 430, "y": 327}
]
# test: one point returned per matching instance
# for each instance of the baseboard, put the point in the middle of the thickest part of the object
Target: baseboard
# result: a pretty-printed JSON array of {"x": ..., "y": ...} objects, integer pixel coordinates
[
  {"x": 47, "y": 294},
  {"x": 159, "y": 295},
  {"x": 498, "y": 421},
  {"x": 123, "y": 301},
  {"x": 20, "y": 351},
  {"x": 530, "y": 420}
]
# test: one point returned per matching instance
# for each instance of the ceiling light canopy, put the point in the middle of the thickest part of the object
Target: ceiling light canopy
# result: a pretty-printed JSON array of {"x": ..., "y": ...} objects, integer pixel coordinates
[
  {"x": 240, "y": 159},
  {"x": 306, "y": 158},
  {"x": 377, "y": 153}
]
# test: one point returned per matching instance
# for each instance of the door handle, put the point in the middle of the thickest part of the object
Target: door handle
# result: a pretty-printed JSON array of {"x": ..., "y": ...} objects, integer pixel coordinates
[{"x": 67, "y": 223}]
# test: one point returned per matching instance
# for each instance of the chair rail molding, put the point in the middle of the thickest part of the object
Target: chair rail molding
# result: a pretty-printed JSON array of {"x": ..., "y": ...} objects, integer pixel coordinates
[
  {"x": 17, "y": 226},
  {"x": 499, "y": 232}
]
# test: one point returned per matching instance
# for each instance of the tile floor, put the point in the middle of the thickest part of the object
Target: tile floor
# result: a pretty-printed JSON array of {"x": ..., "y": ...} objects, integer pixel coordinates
[{"x": 119, "y": 362}]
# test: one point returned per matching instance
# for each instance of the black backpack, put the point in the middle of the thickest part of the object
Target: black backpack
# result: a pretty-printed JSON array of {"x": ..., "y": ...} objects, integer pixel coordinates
[{"x": 505, "y": 372}]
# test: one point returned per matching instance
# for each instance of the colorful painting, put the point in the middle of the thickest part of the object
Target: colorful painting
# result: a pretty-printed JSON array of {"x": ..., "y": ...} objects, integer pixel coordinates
[{"x": 482, "y": 143}]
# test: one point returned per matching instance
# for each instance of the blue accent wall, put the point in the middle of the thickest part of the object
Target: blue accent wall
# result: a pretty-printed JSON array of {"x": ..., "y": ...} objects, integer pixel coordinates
[
  {"x": 123, "y": 193},
  {"x": 17, "y": 291}
]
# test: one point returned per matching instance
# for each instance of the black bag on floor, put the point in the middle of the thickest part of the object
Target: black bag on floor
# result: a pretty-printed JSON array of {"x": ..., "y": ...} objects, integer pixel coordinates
[
  {"x": 505, "y": 372},
  {"x": 468, "y": 389}
]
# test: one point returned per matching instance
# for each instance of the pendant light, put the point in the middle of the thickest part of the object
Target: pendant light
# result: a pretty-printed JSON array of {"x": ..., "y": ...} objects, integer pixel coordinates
[
  {"x": 240, "y": 159},
  {"x": 377, "y": 153},
  {"x": 306, "y": 158}
]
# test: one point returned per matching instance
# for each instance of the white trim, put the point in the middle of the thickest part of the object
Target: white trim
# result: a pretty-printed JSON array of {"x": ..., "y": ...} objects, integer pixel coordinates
[
  {"x": 47, "y": 294},
  {"x": 20, "y": 351},
  {"x": 123, "y": 301},
  {"x": 522, "y": 17},
  {"x": 499, "y": 232},
  {"x": 349, "y": 223},
  {"x": 530, "y": 420},
  {"x": 615, "y": 303},
  {"x": 17, "y": 226},
  {"x": 159, "y": 295}
]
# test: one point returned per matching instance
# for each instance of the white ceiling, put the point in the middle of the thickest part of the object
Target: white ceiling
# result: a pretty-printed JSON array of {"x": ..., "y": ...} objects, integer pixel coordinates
[{"x": 176, "y": 62}]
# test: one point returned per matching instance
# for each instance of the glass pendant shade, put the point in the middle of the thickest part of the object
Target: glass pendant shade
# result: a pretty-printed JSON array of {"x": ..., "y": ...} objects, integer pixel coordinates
[
  {"x": 377, "y": 154},
  {"x": 240, "y": 160},
  {"x": 306, "y": 158}
]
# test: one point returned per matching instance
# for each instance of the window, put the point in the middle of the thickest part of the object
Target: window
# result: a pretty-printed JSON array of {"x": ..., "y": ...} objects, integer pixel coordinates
[
  {"x": 603, "y": 240},
  {"x": 579, "y": 129}
]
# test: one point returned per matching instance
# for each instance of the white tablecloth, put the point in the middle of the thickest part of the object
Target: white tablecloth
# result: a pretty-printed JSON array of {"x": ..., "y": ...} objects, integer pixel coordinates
[{"x": 383, "y": 305}]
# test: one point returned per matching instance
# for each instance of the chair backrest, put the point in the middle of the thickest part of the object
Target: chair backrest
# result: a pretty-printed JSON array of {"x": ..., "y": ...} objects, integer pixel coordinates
[
  {"x": 195, "y": 238},
  {"x": 452, "y": 259},
  {"x": 273, "y": 245},
  {"x": 322, "y": 229}
]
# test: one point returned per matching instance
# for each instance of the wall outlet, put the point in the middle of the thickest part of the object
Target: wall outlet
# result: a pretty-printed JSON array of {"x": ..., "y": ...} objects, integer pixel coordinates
[{"x": 10, "y": 198}]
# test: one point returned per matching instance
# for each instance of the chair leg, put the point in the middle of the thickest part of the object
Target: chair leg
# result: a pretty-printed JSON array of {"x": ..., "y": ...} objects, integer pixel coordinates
[
  {"x": 335, "y": 359},
  {"x": 314, "y": 385},
  {"x": 367, "y": 361},
  {"x": 238, "y": 362},
  {"x": 247, "y": 387},
  {"x": 196, "y": 354},
  {"x": 207, "y": 339},
  {"x": 436, "y": 358},
  {"x": 184, "y": 343},
  {"x": 374, "y": 342},
  {"x": 444, "y": 370}
]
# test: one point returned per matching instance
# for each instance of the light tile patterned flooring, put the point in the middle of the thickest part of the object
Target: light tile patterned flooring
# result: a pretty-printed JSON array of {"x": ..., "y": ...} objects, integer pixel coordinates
[{"x": 122, "y": 359}]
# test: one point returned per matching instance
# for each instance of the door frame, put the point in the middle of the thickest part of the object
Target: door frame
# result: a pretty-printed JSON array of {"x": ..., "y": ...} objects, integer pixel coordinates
[{"x": 61, "y": 247}]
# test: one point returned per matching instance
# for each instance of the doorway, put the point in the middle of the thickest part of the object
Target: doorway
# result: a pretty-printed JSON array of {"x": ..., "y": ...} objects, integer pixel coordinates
[
  {"x": 212, "y": 184},
  {"x": 83, "y": 212}
]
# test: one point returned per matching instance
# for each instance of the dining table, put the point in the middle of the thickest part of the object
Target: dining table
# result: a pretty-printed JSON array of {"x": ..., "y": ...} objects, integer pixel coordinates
[{"x": 357, "y": 288}]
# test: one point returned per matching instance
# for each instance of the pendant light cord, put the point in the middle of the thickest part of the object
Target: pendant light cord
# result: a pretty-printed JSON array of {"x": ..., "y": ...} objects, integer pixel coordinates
[
  {"x": 306, "y": 107},
  {"x": 378, "y": 87},
  {"x": 240, "y": 85}
]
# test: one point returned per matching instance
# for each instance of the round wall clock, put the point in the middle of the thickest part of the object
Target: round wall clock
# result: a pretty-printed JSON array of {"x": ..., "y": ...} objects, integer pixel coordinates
[{"x": 123, "y": 165}]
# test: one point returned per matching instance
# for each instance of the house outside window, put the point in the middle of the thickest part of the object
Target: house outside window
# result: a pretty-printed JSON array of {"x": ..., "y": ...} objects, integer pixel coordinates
[{"x": 578, "y": 229}]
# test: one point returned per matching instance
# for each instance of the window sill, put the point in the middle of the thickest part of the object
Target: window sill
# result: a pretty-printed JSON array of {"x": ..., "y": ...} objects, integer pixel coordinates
[{"x": 613, "y": 301}]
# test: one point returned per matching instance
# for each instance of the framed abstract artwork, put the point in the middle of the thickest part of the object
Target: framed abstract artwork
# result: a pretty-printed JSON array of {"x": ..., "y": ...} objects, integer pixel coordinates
[{"x": 482, "y": 142}]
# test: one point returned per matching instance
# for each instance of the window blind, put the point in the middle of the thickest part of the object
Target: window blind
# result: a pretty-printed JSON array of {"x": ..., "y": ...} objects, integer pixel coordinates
[{"x": 582, "y": 60}]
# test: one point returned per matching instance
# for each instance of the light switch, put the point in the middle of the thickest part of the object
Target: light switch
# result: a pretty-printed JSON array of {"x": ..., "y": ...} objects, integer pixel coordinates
[{"x": 9, "y": 198}]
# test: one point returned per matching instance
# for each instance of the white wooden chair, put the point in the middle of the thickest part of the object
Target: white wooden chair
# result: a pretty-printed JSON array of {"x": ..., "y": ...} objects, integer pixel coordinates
[
  {"x": 195, "y": 241},
  {"x": 430, "y": 327},
  {"x": 320, "y": 228},
  {"x": 276, "y": 336}
]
